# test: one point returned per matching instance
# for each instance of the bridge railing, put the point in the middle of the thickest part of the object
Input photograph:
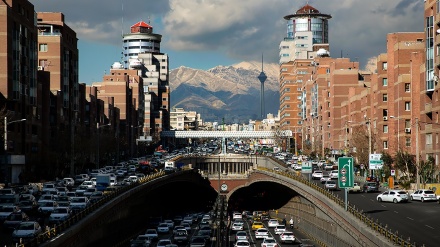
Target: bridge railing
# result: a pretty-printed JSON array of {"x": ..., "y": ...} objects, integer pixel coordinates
[
  {"x": 55, "y": 230},
  {"x": 382, "y": 229}
]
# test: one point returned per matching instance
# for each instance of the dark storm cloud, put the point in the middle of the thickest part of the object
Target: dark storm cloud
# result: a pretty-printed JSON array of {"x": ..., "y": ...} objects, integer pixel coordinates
[{"x": 244, "y": 29}]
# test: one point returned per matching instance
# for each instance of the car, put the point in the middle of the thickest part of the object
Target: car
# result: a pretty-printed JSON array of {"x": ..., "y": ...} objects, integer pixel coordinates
[
  {"x": 88, "y": 183},
  {"x": 28, "y": 206},
  {"x": 69, "y": 182},
  {"x": 423, "y": 195},
  {"x": 15, "y": 219},
  {"x": 237, "y": 226},
  {"x": 79, "y": 203},
  {"x": 163, "y": 242},
  {"x": 279, "y": 229},
  {"x": 170, "y": 223},
  {"x": 48, "y": 207},
  {"x": 287, "y": 237},
  {"x": 81, "y": 189},
  {"x": 59, "y": 215},
  {"x": 261, "y": 233},
  {"x": 328, "y": 166},
  {"x": 62, "y": 191},
  {"x": 197, "y": 242},
  {"x": 330, "y": 185},
  {"x": 89, "y": 192},
  {"x": 139, "y": 243},
  {"x": 269, "y": 242},
  {"x": 242, "y": 243},
  {"x": 163, "y": 228},
  {"x": 237, "y": 215},
  {"x": 393, "y": 196},
  {"x": 370, "y": 187},
  {"x": 257, "y": 225},
  {"x": 96, "y": 196},
  {"x": 241, "y": 235},
  {"x": 152, "y": 234},
  {"x": 334, "y": 174},
  {"x": 272, "y": 223},
  {"x": 180, "y": 236},
  {"x": 187, "y": 226},
  {"x": 26, "y": 231},
  {"x": 45, "y": 198},
  {"x": 5, "y": 211},
  {"x": 205, "y": 234},
  {"x": 355, "y": 189},
  {"x": 324, "y": 178},
  {"x": 316, "y": 175}
]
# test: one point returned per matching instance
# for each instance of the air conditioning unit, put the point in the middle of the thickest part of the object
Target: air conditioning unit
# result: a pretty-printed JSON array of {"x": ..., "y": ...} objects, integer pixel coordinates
[
  {"x": 40, "y": 68},
  {"x": 407, "y": 130},
  {"x": 385, "y": 118}
]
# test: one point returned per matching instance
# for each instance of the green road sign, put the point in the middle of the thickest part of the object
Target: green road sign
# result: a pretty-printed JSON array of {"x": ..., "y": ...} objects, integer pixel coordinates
[
  {"x": 306, "y": 167},
  {"x": 346, "y": 172}
]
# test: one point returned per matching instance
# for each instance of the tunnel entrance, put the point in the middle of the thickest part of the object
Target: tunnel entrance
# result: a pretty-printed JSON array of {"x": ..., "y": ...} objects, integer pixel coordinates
[{"x": 260, "y": 196}]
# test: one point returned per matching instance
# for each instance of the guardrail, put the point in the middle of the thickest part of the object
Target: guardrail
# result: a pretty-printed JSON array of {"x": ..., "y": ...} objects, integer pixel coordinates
[
  {"x": 373, "y": 224},
  {"x": 52, "y": 232}
]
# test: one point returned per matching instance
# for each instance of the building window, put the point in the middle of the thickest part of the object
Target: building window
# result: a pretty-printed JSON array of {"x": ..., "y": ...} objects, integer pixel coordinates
[
  {"x": 407, "y": 106},
  {"x": 43, "y": 48},
  {"x": 385, "y": 97},
  {"x": 428, "y": 138},
  {"x": 385, "y": 144},
  {"x": 385, "y": 66},
  {"x": 407, "y": 87},
  {"x": 384, "y": 82},
  {"x": 385, "y": 129},
  {"x": 408, "y": 142}
]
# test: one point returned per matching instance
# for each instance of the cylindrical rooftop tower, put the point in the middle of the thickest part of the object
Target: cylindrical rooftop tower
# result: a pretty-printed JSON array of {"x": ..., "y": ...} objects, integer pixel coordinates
[
  {"x": 141, "y": 39},
  {"x": 308, "y": 19}
]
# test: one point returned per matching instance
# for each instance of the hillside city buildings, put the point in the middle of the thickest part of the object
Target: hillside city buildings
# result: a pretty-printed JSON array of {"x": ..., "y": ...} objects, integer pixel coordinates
[{"x": 328, "y": 101}]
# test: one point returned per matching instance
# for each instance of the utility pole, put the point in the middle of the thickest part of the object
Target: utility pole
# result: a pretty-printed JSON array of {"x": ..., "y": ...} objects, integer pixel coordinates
[
  {"x": 369, "y": 141},
  {"x": 417, "y": 154}
]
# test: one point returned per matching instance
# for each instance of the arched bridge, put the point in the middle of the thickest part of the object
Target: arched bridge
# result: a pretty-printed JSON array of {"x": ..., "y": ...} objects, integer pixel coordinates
[{"x": 320, "y": 212}]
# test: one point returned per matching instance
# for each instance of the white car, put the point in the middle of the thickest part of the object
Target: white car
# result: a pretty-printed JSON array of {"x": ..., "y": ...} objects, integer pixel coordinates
[
  {"x": 324, "y": 178},
  {"x": 59, "y": 214},
  {"x": 272, "y": 223},
  {"x": 241, "y": 235},
  {"x": 423, "y": 195},
  {"x": 279, "y": 229},
  {"x": 334, "y": 174},
  {"x": 242, "y": 243},
  {"x": 237, "y": 226},
  {"x": 393, "y": 196},
  {"x": 330, "y": 185},
  {"x": 261, "y": 233},
  {"x": 79, "y": 202},
  {"x": 317, "y": 175},
  {"x": 26, "y": 230},
  {"x": 287, "y": 237},
  {"x": 163, "y": 228},
  {"x": 269, "y": 242},
  {"x": 170, "y": 223}
]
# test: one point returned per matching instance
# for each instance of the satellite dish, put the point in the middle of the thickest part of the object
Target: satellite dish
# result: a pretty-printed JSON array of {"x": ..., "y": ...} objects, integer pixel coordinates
[{"x": 438, "y": 30}]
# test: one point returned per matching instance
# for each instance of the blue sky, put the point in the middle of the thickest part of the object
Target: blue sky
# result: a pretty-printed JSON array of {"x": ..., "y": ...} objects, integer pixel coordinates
[{"x": 202, "y": 34}]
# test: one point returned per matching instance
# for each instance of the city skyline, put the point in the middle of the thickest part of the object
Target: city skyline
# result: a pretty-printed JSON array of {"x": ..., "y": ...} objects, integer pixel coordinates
[{"x": 358, "y": 29}]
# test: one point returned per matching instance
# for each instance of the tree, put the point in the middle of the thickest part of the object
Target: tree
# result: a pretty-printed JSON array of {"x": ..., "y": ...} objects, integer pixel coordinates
[
  {"x": 405, "y": 162},
  {"x": 427, "y": 170}
]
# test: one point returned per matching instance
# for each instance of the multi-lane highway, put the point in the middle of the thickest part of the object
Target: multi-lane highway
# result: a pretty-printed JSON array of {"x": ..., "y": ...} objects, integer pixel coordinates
[{"x": 413, "y": 219}]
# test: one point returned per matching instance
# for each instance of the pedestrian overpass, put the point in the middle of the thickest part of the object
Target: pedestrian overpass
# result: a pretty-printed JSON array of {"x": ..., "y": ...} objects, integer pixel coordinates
[{"x": 271, "y": 134}]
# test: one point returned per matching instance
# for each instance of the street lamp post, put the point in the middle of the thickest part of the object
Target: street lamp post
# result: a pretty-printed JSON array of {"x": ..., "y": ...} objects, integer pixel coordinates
[
  {"x": 97, "y": 129},
  {"x": 6, "y": 123},
  {"x": 417, "y": 154}
]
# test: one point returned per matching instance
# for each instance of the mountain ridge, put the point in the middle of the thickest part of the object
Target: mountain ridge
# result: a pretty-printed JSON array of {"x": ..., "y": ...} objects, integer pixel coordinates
[{"x": 231, "y": 92}]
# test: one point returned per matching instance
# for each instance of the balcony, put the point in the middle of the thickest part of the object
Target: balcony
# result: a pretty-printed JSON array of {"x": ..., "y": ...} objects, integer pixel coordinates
[{"x": 428, "y": 108}]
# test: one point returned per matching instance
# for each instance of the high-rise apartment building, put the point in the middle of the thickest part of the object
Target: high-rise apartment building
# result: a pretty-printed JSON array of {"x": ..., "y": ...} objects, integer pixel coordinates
[
  {"x": 307, "y": 33},
  {"x": 142, "y": 53}
]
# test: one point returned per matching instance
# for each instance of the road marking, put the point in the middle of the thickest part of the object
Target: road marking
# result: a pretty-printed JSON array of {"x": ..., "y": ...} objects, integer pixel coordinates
[
  {"x": 383, "y": 205},
  {"x": 396, "y": 212},
  {"x": 429, "y": 226},
  {"x": 409, "y": 218}
]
